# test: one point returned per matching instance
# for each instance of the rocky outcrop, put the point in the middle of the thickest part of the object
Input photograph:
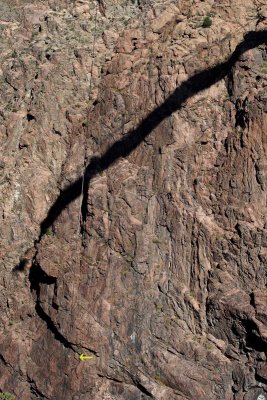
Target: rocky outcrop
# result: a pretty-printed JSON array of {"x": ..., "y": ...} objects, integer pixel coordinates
[{"x": 133, "y": 200}]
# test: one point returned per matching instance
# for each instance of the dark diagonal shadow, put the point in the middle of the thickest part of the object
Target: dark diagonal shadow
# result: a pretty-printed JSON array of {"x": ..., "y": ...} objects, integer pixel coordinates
[{"x": 129, "y": 142}]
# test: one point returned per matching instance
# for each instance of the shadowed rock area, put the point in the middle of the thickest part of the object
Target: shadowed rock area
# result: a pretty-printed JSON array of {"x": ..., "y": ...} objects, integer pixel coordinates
[{"x": 159, "y": 269}]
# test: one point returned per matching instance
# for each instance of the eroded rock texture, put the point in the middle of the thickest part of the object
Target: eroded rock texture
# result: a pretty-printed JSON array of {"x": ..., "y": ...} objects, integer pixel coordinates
[{"x": 159, "y": 269}]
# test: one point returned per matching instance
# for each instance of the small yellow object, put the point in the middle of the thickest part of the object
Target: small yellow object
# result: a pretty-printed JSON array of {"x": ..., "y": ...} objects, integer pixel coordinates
[{"x": 83, "y": 357}]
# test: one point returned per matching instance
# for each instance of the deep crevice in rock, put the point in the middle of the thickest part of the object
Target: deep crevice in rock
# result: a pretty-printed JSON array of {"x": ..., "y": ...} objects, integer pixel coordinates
[
  {"x": 253, "y": 340},
  {"x": 241, "y": 117},
  {"x": 30, "y": 117},
  {"x": 37, "y": 277},
  {"x": 109, "y": 378},
  {"x": 261, "y": 379},
  {"x": 35, "y": 390},
  {"x": 52, "y": 327},
  {"x": 144, "y": 390}
]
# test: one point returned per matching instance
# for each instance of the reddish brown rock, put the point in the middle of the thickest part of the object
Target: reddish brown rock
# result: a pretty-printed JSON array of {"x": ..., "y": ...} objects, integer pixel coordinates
[{"x": 159, "y": 269}]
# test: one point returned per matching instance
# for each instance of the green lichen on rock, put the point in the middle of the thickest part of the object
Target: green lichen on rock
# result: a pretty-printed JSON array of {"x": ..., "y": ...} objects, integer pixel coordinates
[
  {"x": 264, "y": 68},
  {"x": 7, "y": 396}
]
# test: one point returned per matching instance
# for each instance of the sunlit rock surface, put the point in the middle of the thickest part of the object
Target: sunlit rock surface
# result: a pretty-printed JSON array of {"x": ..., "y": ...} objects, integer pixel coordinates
[{"x": 160, "y": 271}]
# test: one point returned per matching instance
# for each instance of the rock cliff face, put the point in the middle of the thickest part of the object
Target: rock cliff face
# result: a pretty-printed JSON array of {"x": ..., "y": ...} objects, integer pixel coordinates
[{"x": 159, "y": 269}]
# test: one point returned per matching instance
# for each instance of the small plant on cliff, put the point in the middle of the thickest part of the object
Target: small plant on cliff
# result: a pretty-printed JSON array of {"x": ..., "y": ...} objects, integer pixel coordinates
[
  {"x": 156, "y": 240},
  {"x": 207, "y": 22},
  {"x": 7, "y": 396},
  {"x": 49, "y": 232},
  {"x": 264, "y": 67}
]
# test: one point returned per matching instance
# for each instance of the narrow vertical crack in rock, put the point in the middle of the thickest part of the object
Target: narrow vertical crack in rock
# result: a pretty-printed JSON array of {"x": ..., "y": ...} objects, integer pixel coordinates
[
  {"x": 35, "y": 390},
  {"x": 52, "y": 327},
  {"x": 37, "y": 277}
]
